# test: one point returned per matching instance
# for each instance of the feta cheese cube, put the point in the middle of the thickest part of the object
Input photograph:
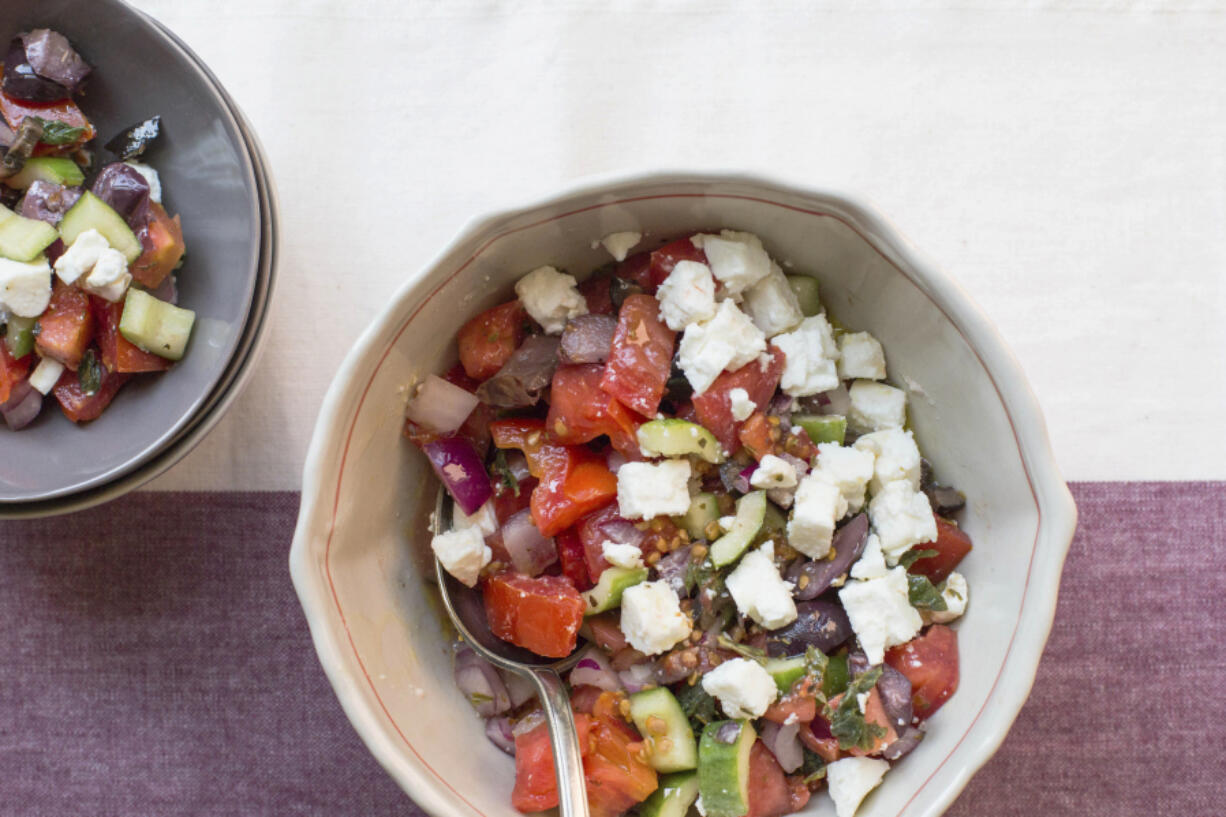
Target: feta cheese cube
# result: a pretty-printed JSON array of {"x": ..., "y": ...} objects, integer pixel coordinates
[
  {"x": 729, "y": 340},
  {"x": 151, "y": 178},
  {"x": 687, "y": 295},
  {"x": 848, "y": 469},
  {"x": 726, "y": 522},
  {"x": 902, "y": 518},
  {"x": 956, "y": 594},
  {"x": 109, "y": 279},
  {"x": 551, "y": 298},
  {"x": 741, "y": 405},
  {"x": 897, "y": 458},
  {"x": 818, "y": 507},
  {"x": 81, "y": 256},
  {"x": 773, "y": 472},
  {"x": 875, "y": 406},
  {"x": 861, "y": 356},
  {"x": 811, "y": 354},
  {"x": 772, "y": 304},
  {"x": 462, "y": 553},
  {"x": 651, "y": 618},
  {"x": 646, "y": 490},
  {"x": 759, "y": 591},
  {"x": 483, "y": 519},
  {"x": 880, "y": 612},
  {"x": 25, "y": 288},
  {"x": 45, "y": 375},
  {"x": 871, "y": 564},
  {"x": 851, "y": 779},
  {"x": 619, "y": 555},
  {"x": 620, "y": 244},
  {"x": 737, "y": 260},
  {"x": 743, "y": 688}
]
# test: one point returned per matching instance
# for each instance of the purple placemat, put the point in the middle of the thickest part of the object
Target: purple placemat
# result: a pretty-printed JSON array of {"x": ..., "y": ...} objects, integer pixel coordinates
[{"x": 153, "y": 660}]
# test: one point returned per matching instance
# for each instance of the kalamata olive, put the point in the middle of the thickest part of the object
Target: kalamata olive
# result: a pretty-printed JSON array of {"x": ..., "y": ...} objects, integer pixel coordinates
[
  {"x": 895, "y": 692},
  {"x": 524, "y": 377},
  {"x": 52, "y": 57},
  {"x": 123, "y": 188},
  {"x": 908, "y": 739},
  {"x": 134, "y": 141},
  {"x": 620, "y": 289},
  {"x": 812, "y": 577},
  {"x": 22, "y": 82},
  {"x": 821, "y": 623}
]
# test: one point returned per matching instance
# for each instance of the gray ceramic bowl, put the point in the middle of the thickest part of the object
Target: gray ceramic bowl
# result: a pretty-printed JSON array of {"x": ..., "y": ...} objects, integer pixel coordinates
[{"x": 210, "y": 179}]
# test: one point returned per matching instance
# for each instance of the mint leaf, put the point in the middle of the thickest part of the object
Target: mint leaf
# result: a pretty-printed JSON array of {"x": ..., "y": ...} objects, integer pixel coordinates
[
  {"x": 923, "y": 594},
  {"x": 698, "y": 706},
  {"x": 503, "y": 472},
  {"x": 912, "y": 556},
  {"x": 813, "y": 769},
  {"x": 847, "y": 721},
  {"x": 743, "y": 650},
  {"x": 58, "y": 133}
]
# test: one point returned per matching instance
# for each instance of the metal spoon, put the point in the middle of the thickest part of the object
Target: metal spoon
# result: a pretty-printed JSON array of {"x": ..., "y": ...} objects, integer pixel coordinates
[{"x": 467, "y": 612}]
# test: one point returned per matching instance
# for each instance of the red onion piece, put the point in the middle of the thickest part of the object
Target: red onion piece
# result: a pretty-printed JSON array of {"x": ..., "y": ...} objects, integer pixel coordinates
[
  {"x": 615, "y": 459},
  {"x": 440, "y": 406},
  {"x": 528, "y": 722},
  {"x": 783, "y": 740},
  {"x": 588, "y": 339},
  {"x": 637, "y": 677},
  {"x": 498, "y": 730},
  {"x": 519, "y": 688},
  {"x": 530, "y": 551},
  {"x": 835, "y": 401},
  {"x": 848, "y": 544},
  {"x": 741, "y": 482},
  {"x": 22, "y": 407},
  {"x": 594, "y": 669},
  {"x": 479, "y": 680},
  {"x": 458, "y": 465}
]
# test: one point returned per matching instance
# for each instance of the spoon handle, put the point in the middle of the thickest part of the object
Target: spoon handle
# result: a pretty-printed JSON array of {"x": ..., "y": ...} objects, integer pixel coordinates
[{"x": 567, "y": 758}]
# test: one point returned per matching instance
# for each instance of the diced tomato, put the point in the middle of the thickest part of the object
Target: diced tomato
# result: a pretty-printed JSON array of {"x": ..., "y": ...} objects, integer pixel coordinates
[
  {"x": 12, "y": 371},
  {"x": 874, "y": 712},
  {"x": 802, "y": 708},
  {"x": 572, "y": 558},
  {"x": 592, "y": 534},
  {"x": 714, "y": 408},
  {"x": 67, "y": 326},
  {"x": 536, "y": 783},
  {"x": 607, "y": 632},
  {"x": 488, "y": 340},
  {"x": 66, "y": 111},
  {"x": 755, "y": 435},
  {"x": 541, "y": 613},
  {"x": 952, "y": 545},
  {"x": 641, "y": 357},
  {"x": 617, "y": 776},
  {"x": 508, "y": 503},
  {"x": 769, "y": 792},
  {"x": 664, "y": 259},
  {"x": 81, "y": 407},
  {"x": 162, "y": 247},
  {"x": 930, "y": 663},
  {"x": 118, "y": 355},
  {"x": 596, "y": 293},
  {"x": 637, "y": 270},
  {"x": 818, "y": 739},
  {"x": 579, "y": 411}
]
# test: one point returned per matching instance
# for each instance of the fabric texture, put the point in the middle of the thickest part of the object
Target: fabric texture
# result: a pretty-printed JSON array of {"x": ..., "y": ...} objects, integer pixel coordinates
[{"x": 154, "y": 660}]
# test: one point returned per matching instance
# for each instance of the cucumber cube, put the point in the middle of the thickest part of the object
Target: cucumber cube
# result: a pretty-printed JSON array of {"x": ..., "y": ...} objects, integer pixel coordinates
[
  {"x": 806, "y": 289},
  {"x": 156, "y": 326},
  {"x": 24, "y": 239},
  {"x": 91, "y": 212},
  {"x": 47, "y": 169},
  {"x": 822, "y": 428}
]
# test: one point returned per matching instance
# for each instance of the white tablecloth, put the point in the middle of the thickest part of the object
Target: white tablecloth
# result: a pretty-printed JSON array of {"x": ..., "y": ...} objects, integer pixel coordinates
[{"x": 1065, "y": 162}]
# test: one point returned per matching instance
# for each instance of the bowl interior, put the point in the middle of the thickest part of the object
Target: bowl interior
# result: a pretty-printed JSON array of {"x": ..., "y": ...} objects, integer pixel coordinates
[
  {"x": 360, "y": 553},
  {"x": 208, "y": 179}
]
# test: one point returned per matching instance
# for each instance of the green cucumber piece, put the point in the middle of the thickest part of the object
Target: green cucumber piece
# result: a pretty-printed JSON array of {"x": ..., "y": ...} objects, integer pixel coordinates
[
  {"x": 23, "y": 239},
  {"x": 822, "y": 428},
  {"x": 47, "y": 169},
  {"x": 723, "y": 769},
  {"x": 774, "y": 525},
  {"x": 155, "y": 325},
  {"x": 750, "y": 513},
  {"x": 607, "y": 593},
  {"x": 663, "y": 724},
  {"x": 19, "y": 335},
  {"x": 806, "y": 289},
  {"x": 836, "y": 678},
  {"x": 677, "y": 792},
  {"x": 92, "y": 213},
  {"x": 704, "y": 509},
  {"x": 677, "y": 438},
  {"x": 786, "y": 671}
]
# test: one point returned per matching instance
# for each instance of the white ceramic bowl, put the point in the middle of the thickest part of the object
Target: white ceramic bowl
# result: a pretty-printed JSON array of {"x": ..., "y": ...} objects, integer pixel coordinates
[{"x": 361, "y": 543}]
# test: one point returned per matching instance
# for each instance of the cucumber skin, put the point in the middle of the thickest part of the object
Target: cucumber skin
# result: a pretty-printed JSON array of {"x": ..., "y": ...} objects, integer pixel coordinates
[
  {"x": 24, "y": 239},
  {"x": 704, "y": 509},
  {"x": 715, "y": 784},
  {"x": 135, "y": 329},
  {"x": 60, "y": 171},
  {"x": 674, "y": 437},
  {"x": 822, "y": 428},
  {"x": 613, "y": 582},
  {"x": 661, "y": 703},
  {"x": 786, "y": 672},
  {"x": 677, "y": 792},
  {"x": 91, "y": 211},
  {"x": 729, "y": 547}
]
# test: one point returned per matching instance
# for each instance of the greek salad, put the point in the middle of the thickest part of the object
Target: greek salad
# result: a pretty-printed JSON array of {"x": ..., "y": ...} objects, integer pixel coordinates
[
  {"x": 683, "y": 467},
  {"x": 87, "y": 249}
]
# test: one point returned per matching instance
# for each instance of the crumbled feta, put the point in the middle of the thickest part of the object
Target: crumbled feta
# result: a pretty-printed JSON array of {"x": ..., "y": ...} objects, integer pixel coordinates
[
  {"x": 810, "y": 353},
  {"x": 151, "y": 178},
  {"x": 45, "y": 375},
  {"x": 902, "y": 518},
  {"x": 773, "y": 472},
  {"x": 880, "y": 612},
  {"x": 651, "y": 617},
  {"x": 109, "y": 279},
  {"x": 743, "y": 688},
  {"x": 818, "y": 507},
  {"x": 871, "y": 564},
  {"x": 759, "y": 591},
  {"x": 646, "y": 490},
  {"x": 772, "y": 304},
  {"x": 726, "y": 523},
  {"x": 875, "y": 406},
  {"x": 851, "y": 779},
  {"x": 25, "y": 288},
  {"x": 620, "y": 244},
  {"x": 483, "y": 519},
  {"x": 741, "y": 405},
  {"x": 462, "y": 553},
  {"x": 687, "y": 295},
  {"x": 80, "y": 256},
  {"x": 897, "y": 458},
  {"x": 619, "y": 555},
  {"x": 861, "y": 356},
  {"x": 848, "y": 469},
  {"x": 551, "y": 298},
  {"x": 862, "y": 702},
  {"x": 729, "y": 340},
  {"x": 737, "y": 260},
  {"x": 956, "y": 593}
]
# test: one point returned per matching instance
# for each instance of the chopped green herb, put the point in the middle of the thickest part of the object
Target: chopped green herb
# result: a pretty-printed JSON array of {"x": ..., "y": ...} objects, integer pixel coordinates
[
  {"x": 813, "y": 769},
  {"x": 478, "y": 698},
  {"x": 503, "y": 472},
  {"x": 922, "y": 594},
  {"x": 699, "y": 707},
  {"x": 59, "y": 133},
  {"x": 912, "y": 556},
  {"x": 743, "y": 650},
  {"x": 847, "y": 721},
  {"x": 89, "y": 373}
]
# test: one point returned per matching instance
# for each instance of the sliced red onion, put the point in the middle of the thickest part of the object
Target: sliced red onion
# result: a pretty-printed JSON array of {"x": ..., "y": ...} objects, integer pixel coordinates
[
  {"x": 728, "y": 732},
  {"x": 528, "y": 722},
  {"x": 588, "y": 339},
  {"x": 800, "y": 465},
  {"x": 593, "y": 669},
  {"x": 615, "y": 459},
  {"x": 519, "y": 688},
  {"x": 783, "y": 740},
  {"x": 820, "y": 727},
  {"x": 848, "y": 544},
  {"x": 22, "y": 407},
  {"x": 458, "y": 465},
  {"x": 498, "y": 730},
  {"x": 835, "y": 401},
  {"x": 479, "y": 680},
  {"x": 781, "y": 407},
  {"x": 908, "y": 739},
  {"x": 637, "y": 677},
  {"x": 530, "y": 551},
  {"x": 440, "y": 406},
  {"x": 621, "y": 531}
]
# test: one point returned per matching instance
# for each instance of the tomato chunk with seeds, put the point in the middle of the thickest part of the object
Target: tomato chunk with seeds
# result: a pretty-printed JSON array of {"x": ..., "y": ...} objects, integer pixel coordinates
[
  {"x": 488, "y": 340},
  {"x": 770, "y": 792},
  {"x": 664, "y": 259},
  {"x": 572, "y": 559},
  {"x": 541, "y": 613},
  {"x": 536, "y": 782},
  {"x": 65, "y": 110},
  {"x": 12, "y": 371},
  {"x": 67, "y": 326},
  {"x": 714, "y": 406},
  {"x": 930, "y": 663},
  {"x": 81, "y": 407},
  {"x": 951, "y": 547},
  {"x": 162, "y": 247},
  {"x": 641, "y": 357},
  {"x": 118, "y": 354},
  {"x": 580, "y": 411}
]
